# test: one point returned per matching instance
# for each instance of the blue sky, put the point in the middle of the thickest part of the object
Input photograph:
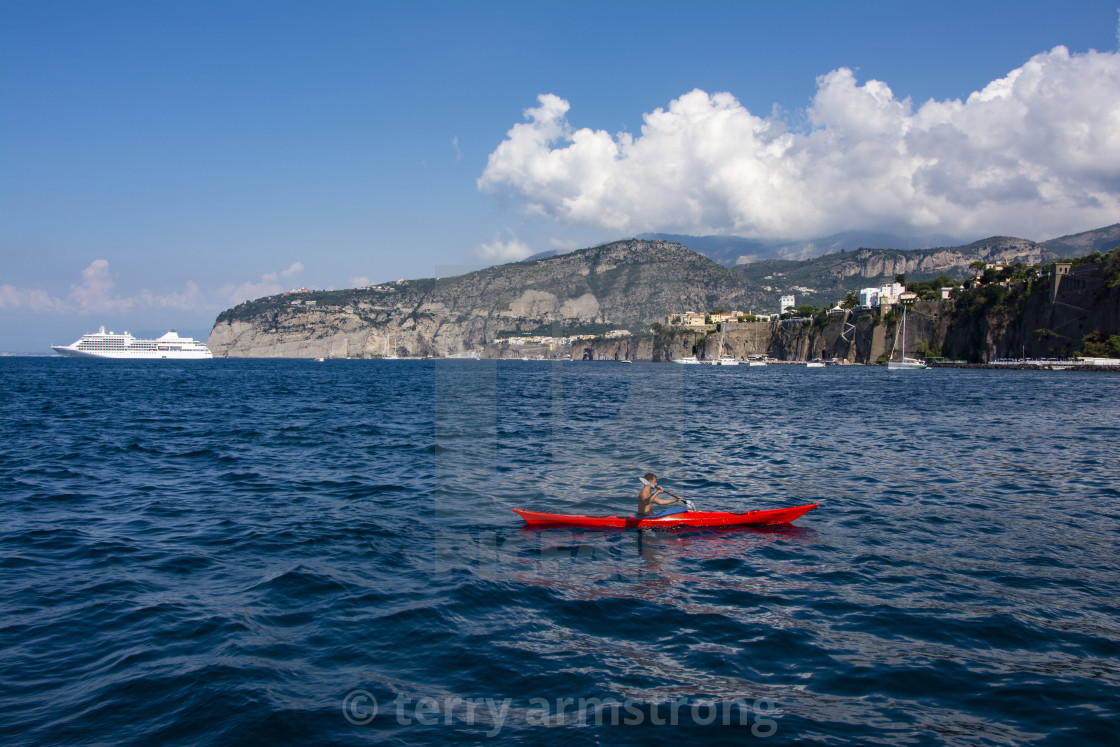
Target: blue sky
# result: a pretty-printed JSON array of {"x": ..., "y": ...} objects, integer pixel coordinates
[{"x": 163, "y": 160}]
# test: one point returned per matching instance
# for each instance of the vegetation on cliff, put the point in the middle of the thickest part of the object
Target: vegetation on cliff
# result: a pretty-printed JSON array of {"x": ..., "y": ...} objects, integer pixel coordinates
[
  {"x": 625, "y": 284},
  {"x": 1038, "y": 311},
  {"x": 634, "y": 284},
  {"x": 823, "y": 280}
]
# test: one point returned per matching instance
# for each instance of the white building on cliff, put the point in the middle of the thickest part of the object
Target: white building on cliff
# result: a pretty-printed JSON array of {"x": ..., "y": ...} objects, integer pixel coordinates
[{"x": 884, "y": 295}]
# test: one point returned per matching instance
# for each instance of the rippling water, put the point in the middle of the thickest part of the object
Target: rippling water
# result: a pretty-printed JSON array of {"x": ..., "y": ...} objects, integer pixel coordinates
[{"x": 293, "y": 552}]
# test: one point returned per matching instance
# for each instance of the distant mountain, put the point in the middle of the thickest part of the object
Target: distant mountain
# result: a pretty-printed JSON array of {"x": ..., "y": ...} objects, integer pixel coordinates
[
  {"x": 727, "y": 250},
  {"x": 624, "y": 284},
  {"x": 850, "y": 240},
  {"x": 731, "y": 251},
  {"x": 543, "y": 255},
  {"x": 824, "y": 280},
  {"x": 1080, "y": 244}
]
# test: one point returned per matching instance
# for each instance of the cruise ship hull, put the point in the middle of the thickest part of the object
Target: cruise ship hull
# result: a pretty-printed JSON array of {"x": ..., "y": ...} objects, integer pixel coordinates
[
  {"x": 110, "y": 345},
  {"x": 71, "y": 352}
]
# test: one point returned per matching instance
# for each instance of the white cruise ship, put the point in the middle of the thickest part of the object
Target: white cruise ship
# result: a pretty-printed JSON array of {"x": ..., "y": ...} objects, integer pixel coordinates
[{"x": 104, "y": 344}]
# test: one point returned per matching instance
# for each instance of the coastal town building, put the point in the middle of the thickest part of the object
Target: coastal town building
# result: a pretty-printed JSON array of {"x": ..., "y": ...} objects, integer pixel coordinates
[
  {"x": 786, "y": 303},
  {"x": 523, "y": 340},
  {"x": 887, "y": 295},
  {"x": 1064, "y": 275},
  {"x": 697, "y": 319}
]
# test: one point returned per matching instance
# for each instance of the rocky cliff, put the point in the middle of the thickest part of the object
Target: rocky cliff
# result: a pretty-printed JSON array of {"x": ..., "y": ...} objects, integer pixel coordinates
[
  {"x": 625, "y": 284},
  {"x": 1043, "y": 318},
  {"x": 1002, "y": 250},
  {"x": 1052, "y": 314},
  {"x": 863, "y": 336},
  {"x": 821, "y": 280},
  {"x": 632, "y": 284}
]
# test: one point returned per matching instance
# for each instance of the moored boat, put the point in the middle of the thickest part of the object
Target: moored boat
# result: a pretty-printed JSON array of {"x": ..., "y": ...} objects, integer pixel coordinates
[{"x": 904, "y": 363}]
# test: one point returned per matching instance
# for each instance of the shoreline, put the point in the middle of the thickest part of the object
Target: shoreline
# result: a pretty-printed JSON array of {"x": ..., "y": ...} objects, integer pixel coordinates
[{"x": 1028, "y": 366}]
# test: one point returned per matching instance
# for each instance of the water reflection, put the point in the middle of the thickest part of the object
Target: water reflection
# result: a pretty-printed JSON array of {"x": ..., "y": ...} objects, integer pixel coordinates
[{"x": 676, "y": 566}]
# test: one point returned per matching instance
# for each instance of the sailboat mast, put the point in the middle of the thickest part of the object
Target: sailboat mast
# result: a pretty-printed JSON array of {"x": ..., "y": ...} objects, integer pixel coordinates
[{"x": 903, "y": 332}]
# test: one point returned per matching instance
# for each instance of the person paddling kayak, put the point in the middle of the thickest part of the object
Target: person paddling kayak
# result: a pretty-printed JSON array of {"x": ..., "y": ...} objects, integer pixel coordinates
[{"x": 648, "y": 495}]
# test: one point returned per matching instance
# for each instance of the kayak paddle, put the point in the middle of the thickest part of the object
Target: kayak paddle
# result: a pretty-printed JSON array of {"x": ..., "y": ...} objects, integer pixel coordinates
[{"x": 685, "y": 501}]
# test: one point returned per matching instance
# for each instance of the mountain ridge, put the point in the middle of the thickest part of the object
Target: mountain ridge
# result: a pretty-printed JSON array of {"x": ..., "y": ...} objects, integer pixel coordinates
[
  {"x": 732, "y": 251},
  {"x": 821, "y": 280},
  {"x": 626, "y": 284},
  {"x": 623, "y": 284}
]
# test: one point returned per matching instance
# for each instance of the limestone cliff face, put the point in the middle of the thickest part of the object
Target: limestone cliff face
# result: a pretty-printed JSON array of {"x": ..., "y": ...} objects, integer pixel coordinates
[
  {"x": 861, "y": 339},
  {"x": 301, "y": 339},
  {"x": 626, "y": 284},
  {"x": 1041, "y": 319},
  {"x": 631, "y": 284},
  {"x": 739, "y": 340},
  {"x": 872, "y": 263},
  {"x": 822, "y": 280}
]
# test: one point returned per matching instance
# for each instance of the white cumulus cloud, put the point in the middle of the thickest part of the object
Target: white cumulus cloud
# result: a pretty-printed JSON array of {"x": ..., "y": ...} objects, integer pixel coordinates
[
  {"x": 509, "y": 249},
  {"x": 1036, "y": 152},
  {"x": 95, "y": 294},
  {"x": 268, "y": 285},
  {"x": 191, "y": 299},
  {"x": 32, "y": 299}
]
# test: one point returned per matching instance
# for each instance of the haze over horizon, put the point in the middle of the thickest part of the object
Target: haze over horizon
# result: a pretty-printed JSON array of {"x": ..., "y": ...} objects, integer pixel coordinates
[{"x": 166, "y": 161}]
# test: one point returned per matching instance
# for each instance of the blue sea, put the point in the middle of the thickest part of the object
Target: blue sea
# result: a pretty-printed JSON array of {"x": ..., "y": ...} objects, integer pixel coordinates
[{"x": 291, "y": 552}]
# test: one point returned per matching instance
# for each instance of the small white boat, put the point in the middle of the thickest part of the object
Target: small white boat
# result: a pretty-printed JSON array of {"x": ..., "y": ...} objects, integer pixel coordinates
[
  {"x": 904, "y": 363},
  {"x": 722, "y": 360},
  {"x": 815, "y": 364}
]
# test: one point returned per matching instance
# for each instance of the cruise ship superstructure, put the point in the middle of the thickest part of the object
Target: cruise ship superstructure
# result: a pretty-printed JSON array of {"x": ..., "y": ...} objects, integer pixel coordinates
[{"x": 102, "y": 344}]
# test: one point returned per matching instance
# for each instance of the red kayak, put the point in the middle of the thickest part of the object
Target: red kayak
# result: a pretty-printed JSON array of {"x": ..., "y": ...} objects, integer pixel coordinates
[{"x": 684, "y": 519}]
